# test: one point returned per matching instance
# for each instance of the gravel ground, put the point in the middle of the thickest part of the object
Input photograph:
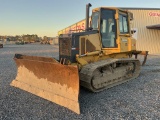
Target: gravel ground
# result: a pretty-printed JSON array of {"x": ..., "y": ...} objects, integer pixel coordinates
[{"x": 136, "y": 99}]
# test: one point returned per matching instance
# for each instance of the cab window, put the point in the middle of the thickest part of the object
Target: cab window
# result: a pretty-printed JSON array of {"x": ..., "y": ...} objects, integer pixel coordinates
[
  {"x": 108, "y": 28},
  {"x": 123, "y": 24}
]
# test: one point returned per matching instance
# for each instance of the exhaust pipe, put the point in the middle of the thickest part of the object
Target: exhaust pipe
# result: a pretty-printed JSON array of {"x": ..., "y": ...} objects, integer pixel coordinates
[{"x": 87, "y": 16}]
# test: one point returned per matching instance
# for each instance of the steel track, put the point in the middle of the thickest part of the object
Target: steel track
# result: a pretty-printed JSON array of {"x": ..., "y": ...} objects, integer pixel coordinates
[{"x": 118, "y": 71}]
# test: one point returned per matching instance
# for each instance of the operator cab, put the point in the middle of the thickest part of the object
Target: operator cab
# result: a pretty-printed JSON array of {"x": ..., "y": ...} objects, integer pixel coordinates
[{"x": 110, "y": 23}]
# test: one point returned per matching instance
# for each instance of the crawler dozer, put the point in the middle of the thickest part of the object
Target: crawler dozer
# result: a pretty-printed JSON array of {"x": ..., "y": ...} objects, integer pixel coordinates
[{"x": 98, "y": 58}]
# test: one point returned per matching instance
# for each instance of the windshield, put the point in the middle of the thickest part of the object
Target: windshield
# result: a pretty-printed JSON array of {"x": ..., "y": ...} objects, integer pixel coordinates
[
  {"x": 108, "y": 28},
  {"x": 95, "y": 17}
]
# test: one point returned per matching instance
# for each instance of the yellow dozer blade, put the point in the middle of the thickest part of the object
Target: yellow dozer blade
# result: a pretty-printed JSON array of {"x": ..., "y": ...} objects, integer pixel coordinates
[{"x": 47, "y": 78}]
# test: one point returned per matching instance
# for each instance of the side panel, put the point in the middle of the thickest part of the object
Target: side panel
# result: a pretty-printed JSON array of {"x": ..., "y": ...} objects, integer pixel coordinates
[
  {"x": 132, "y": 44},
  {"x": 124, "y": 44},
  {"x": 69, "y": 44},
  {"x": 89, "y": 43}
]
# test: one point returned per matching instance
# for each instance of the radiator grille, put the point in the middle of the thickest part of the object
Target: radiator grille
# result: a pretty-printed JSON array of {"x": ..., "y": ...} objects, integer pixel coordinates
[{"x": 65, "y": 46}]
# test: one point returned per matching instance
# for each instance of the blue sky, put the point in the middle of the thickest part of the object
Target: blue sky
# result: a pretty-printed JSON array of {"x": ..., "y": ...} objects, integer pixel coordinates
[{"x": 47, "y": 17}]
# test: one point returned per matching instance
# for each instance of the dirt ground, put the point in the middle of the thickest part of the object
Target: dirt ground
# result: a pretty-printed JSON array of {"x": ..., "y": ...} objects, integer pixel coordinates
[{"x": 138, "y": 99}]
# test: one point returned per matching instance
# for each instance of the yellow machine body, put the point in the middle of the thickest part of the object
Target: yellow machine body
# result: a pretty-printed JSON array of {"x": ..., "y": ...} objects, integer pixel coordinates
[{"x": 88, "y": 58}]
